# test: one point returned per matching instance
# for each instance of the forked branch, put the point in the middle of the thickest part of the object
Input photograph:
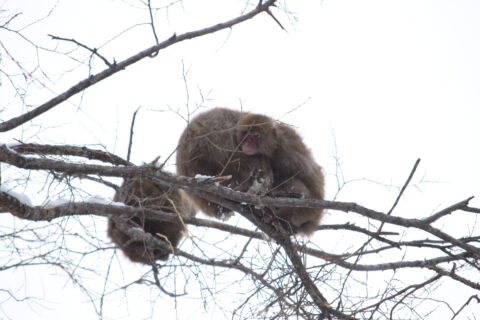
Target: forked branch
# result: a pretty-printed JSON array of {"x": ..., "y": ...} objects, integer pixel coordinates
[{"x": 90, "y": 81}]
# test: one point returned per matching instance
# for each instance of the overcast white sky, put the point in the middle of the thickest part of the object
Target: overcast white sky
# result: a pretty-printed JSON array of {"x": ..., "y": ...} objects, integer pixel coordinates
[{"x": 379, "y": 84}]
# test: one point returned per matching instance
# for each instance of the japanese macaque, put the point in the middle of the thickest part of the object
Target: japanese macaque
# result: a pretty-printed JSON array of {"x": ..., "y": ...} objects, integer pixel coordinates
[
  {"x": 263, "y": 157},
  {"x": 209, "y": 147},
  {"x": 295, "y": 172},
  {"x": 144, "y": 193}
]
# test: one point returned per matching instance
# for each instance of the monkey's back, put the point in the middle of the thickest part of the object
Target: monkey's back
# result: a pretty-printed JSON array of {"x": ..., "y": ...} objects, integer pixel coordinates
[
  {"x": 146, "y": 194},
  {"x": 296, "y": 171},
  {"x": 207, "y": 143},
  {"x": 296, "y": 160}
]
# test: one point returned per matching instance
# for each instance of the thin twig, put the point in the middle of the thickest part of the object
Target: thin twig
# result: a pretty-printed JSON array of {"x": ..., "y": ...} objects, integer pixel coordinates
[
  {"x": 94, "y": 51},
  {"x": 410, "y": 176},
  {"x": 130, "y": 142},
  {"x": 474, "y": 297},
  {"x": 276, "y": 20},
  {"x": 153, "y": 27}
]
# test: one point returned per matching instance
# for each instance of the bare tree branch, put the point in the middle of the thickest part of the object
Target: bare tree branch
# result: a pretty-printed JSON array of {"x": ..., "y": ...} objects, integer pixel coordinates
[
  {"x": 94, "y": 51},
  {"x": 256, "y": 210},
  {"x": 7, "y": 155},
  {"x": 66, "y": 150},
  {"x": 90, "y": 81}
]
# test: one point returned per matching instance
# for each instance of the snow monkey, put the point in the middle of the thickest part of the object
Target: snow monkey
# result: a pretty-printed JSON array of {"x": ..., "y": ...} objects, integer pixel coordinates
[
  {"x": 262, "y": 155},
  {"x": 209, "y": 146},
  {"x": 294, "y": 169},
  {"x": 144, "y": 193}
]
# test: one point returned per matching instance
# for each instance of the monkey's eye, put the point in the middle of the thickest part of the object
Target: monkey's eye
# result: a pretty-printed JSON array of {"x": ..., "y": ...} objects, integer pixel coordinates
[
  {"x": 254, "y": 136},
  {"x": 251, "y": 135}
]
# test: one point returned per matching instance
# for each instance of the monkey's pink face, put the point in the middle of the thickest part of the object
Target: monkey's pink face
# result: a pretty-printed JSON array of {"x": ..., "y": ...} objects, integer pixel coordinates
[{"x": 250, "y": 144}]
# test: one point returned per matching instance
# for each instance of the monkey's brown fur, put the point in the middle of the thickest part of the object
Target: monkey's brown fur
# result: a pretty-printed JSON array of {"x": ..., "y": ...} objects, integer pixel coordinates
[
  {"x": 144, "y": 193},
  {"x": 208, "y": 146},
  {"x": 223, "y": 141},
  {"x": 294, "y": 169}
]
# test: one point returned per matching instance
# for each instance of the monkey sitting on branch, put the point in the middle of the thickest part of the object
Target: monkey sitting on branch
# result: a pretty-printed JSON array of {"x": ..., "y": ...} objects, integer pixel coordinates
[
  {"x": 209, "y": 147},
  {"x": 252, "y": 148},
  {"x": 146, "y": 194}
]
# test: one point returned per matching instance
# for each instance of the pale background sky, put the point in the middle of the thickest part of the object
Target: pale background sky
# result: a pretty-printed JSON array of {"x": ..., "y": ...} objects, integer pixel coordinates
[{"x": 378, "y": 84}]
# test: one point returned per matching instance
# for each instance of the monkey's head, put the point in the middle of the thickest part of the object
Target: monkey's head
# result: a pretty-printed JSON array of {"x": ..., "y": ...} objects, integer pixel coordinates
[{"x": 256, "y": 135}]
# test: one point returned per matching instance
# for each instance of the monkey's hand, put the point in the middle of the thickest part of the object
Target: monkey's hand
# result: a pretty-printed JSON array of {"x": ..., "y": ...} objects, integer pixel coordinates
[
  {"x": 261, "y": 182},
  {"x": 223, "y": 213}
]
